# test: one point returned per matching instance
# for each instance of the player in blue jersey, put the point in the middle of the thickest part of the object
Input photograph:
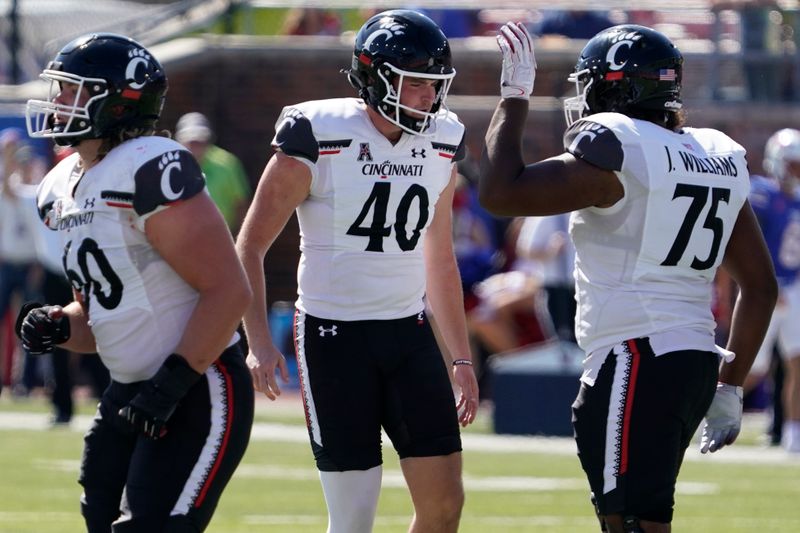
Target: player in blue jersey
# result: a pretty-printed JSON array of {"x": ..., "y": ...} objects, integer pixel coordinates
[{"x": 776, "y": 203}]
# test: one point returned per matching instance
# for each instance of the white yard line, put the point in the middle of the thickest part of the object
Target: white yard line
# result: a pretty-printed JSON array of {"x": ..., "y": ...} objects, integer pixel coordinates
[{"x": 472, "y": 442}]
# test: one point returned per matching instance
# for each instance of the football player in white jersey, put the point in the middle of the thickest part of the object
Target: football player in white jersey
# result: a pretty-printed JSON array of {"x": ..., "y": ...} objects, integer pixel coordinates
[
  {"x": 159, "y": 292},
  {"x": 372, "y": 181},
  {"x": 656, "y": 208}
]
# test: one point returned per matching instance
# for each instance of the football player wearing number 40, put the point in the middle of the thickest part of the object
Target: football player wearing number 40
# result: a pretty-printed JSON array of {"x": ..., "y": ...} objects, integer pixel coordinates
[
  {"x": 159, "y": 292},
  {"x": 372, "y": 180},
  {"x": 656, "y": 208}
]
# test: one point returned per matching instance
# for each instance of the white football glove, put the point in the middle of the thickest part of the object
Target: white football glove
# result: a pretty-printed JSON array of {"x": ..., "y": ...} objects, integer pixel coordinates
[
  {"x": 723, "y": 419},
  {"x": 519, "y": 63}
]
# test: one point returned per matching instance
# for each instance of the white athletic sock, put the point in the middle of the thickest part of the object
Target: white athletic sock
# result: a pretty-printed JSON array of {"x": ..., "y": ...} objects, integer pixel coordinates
[
  {"x": 352, "y": 499},
  {"x": 791, "y": 436}
]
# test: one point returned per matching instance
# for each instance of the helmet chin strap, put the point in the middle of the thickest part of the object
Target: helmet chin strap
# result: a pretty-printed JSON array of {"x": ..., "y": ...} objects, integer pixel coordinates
[
  {"x": 66, "y": 141},
  {"x": 401, "y": 118}
]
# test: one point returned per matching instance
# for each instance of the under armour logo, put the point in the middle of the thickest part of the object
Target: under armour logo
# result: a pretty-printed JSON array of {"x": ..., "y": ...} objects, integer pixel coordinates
[
  {"x": 421, "y": 318},
  {"x": 363, "y": 153},
  {"x": 89, "y": 203},
  {"x": 323, "y": 331},
  {"x": 420, "y": 152}
]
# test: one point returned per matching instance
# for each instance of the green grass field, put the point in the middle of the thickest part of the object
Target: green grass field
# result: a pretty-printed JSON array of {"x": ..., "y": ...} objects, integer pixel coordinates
[{"x": 532, "y": 485}]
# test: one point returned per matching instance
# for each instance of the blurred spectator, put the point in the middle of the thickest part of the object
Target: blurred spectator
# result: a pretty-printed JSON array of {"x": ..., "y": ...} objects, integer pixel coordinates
[
  {"x": 507, "y": 315},
  {"x": 55, "y": 289},
  {"x": 573, "y": 23},
  {"x": 546, "y": 240},
  {"x": 760, "y": 22},
  {"x": 311, "y": 21},
  {"x": 475, "y": 249},
  {"x": 761, "y": 37},
  {"x": 18, "y": 220},
  {"x": 476, "y": 252},
  {"x": 226, "y": 179}
]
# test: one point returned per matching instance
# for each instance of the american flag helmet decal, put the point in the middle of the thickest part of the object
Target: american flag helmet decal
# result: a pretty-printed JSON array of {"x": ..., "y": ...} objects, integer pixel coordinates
[{"x": 666, "y": 74}]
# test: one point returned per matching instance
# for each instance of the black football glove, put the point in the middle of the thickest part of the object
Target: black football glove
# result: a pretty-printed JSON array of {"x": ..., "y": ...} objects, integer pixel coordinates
[
  {"x": 38, "y": 332},
  {"x": 149, "y": 411}
]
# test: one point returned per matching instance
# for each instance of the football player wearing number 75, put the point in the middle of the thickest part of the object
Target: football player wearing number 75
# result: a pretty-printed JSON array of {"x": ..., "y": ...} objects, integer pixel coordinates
[
  {"x": 372, "y": 180},
  {"x": 159, "y": 292},
  {"x": 656, "y": 208}
]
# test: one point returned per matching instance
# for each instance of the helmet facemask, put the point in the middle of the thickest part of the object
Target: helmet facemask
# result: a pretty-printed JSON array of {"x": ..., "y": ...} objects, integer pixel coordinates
[
  {"x": 74, "y": 119},
  {"x": 407, "y": 118},
  {"x": 576, "y": 108},
  {"x": 119, "y": 91}
]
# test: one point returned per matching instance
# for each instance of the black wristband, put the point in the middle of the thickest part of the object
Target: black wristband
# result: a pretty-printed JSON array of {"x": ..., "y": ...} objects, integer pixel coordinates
[{"x": 457, "y": 362}]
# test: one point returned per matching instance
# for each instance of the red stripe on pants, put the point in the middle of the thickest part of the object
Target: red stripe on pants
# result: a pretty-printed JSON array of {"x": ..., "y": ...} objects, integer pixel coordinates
[{"x": 626, "y": 422}]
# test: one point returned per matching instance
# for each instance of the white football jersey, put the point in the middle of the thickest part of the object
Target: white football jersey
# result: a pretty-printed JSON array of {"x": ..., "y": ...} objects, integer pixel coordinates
[
  {"x": 645, "y": 266},
  {"x": 363, "y": 224},
  {"x": 138, "y": 306}
]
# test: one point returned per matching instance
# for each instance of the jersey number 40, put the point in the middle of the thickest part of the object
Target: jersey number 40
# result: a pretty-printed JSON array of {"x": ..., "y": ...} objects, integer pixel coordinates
[{"x": 377, "y": 230}]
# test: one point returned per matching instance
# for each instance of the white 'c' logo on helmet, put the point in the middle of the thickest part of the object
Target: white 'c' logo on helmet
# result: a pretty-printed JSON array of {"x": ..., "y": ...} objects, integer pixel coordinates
[
  {"x": 387, "y": 30},
  {"x": 138, "y": 58},
  {"x": 625, "y": 40}
]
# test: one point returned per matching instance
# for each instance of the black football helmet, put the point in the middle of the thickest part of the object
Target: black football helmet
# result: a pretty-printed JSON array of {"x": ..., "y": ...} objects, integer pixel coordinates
[
  {"x": 124, "y": 83},
  {"x": 395, "y": 44},
  {"x": 623, "y": 69}
]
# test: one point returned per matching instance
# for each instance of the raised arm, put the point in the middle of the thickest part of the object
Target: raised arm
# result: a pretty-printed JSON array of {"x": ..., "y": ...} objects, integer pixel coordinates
[{"x": 559, "y": 184}]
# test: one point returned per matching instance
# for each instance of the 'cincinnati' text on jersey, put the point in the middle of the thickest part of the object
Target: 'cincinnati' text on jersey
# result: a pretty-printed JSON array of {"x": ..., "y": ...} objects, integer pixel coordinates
[
  {"x": 387, "y": 168},
  {"x": 73, "y": 221}
]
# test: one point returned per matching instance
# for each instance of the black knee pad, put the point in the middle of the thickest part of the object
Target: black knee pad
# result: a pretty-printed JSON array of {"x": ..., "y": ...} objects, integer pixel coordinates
[
  {"x": 630, "y": 524},
  {"x": 662, "y": 515},
  {"x": 328, "y": 462},
  {"x": 99, "y": 511}
]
